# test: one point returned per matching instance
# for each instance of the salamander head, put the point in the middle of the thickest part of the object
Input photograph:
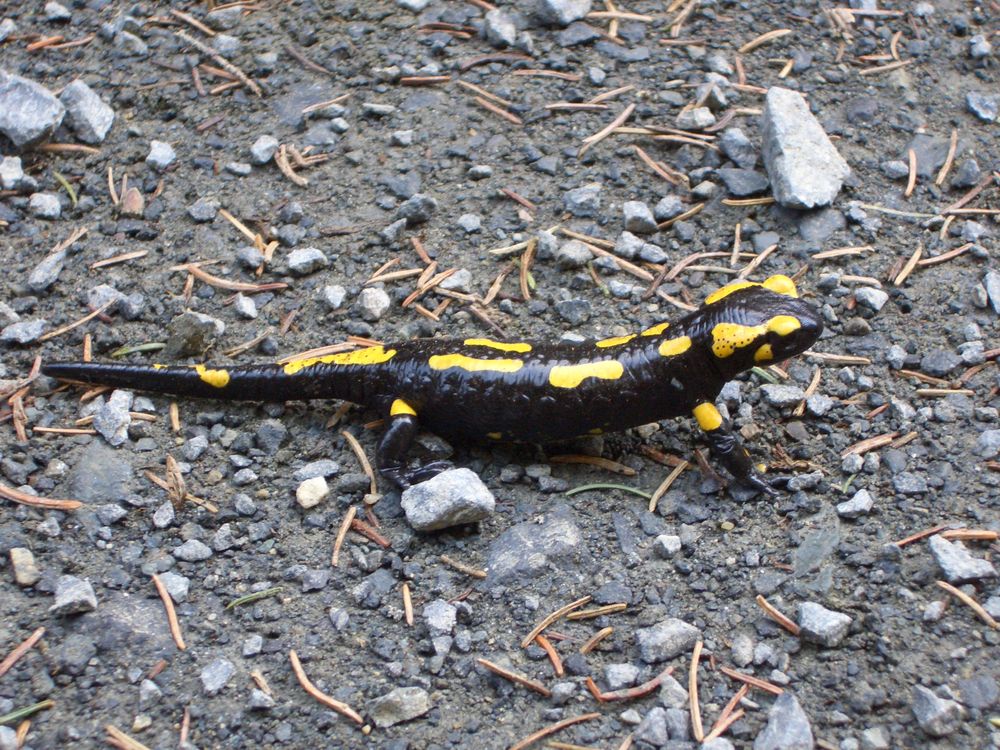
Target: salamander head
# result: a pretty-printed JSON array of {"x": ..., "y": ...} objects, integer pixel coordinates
[{"x": 746, "y": 324}]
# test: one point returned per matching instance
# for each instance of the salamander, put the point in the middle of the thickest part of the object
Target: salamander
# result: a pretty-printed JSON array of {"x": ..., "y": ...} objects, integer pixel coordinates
[{"x": 479, "y": 389}]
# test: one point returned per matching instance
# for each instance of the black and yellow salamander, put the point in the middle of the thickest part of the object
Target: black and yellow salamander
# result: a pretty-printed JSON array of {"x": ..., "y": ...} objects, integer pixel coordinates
[{"x": 482, "y": 390}]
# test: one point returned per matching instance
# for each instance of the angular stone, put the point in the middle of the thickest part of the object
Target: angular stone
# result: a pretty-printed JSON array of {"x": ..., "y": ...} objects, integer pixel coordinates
[
  {"x": 73, "y": 595},
  {"x": 787, "y": 727},
  {"x": 161, "y": 155},
  {"x": 451, "y": 498},
  {"x": 860, "y": 504},
  {"x": 29, "y": 112},
  {"x": 88, "y": 115},
  {"x": 402, "y": 704},
  {"x": 306, "y": 260},
  {"x": 938, "y": 717},
  {"x": 957, "y": 563},
  {"x": 665, "y": 640},
  {"x": 805, "y": 169},
  {"x": 821, "y": 625},
  {"x": 216, "y": 675},
  {"x": 562, "y": 12},
  {"x": 529, "y": 549}
]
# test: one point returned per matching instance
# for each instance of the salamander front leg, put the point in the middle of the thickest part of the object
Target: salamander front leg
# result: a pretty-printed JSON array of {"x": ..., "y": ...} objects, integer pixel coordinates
[
  {"x": 392, "y": 449},
  {"x": 728, "y": 450}
]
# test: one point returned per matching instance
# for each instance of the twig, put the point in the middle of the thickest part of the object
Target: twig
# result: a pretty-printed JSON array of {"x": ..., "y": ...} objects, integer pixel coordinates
[
  {"x": 551, "y": 652},
  {"x": 362, "y": 459},
  {"x": 968, "y": 600},
  {"x": 665, "y": 485},
  {"x": 76, "y": 324},
  {"x": 771, "y": 611},
  {"x": 696, "y": 727},
  {"x": 168, "y": 605},
  {"x": 952, "y": 147},
  {"x": 328, "y": 701},
  {"x": 885, "y": 68},
  {"x": 232, "y": 286},
  {"x": 463, "y": 568},
  {"x": 753, "y": 44},
  {"x": 206, "y": 50},
  {"x": 629, "y": 693},
  {"x": 591, "y": 643},
  {"x": 911, "y": 180},
  {"x": 589, "y": 614},
  {"x": 407, "y": 604},
  {"x": 592, "y": 140},
  {"x": 515, "y": 677},
  {"x": 531, "y": 739},
  {"x": 549, "y": 619},
  {"x": 25, "y": 646},
  {"x": 38, "y": 502},
  {"x": 752, "y": 681},
  {"x": 342, "y": 535}
]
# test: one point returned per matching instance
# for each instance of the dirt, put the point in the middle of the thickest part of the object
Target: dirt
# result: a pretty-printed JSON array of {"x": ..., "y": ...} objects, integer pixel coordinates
[{"x": 347, "y": 623}]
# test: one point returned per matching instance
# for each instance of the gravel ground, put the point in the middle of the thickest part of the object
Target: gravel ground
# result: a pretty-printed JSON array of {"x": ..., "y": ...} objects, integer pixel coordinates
[{"x": 885, "y": 657}]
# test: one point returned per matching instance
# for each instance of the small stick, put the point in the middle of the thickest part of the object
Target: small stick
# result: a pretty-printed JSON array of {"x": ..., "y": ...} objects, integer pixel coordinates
[
  {"x": 841, "y": 251},
  {"x": 122, "y": 258},
  {"x": 629, "y": 693},
  {"x": 531, "y": 739},
  {"x": 362, "y": 459},
  {"x": 26, "y": 645},
  {"x": 500, "y": 111},
  {"x": 611, "y": 94},
  {"x": 484, "y": 93},
  {"x": 735, "y": 255},
  {"x": 910, "y": 265},
  {"x": 940, "y": 392},
  {"x": 944, "y": 256},
  {"x": 359, "y": 526},
  {"x": 655, "y": 166},
  {"x": 192, "y": 21},
  {"x": 665, "y": 485},
  {"x": 38, "y": 502},
  {"x": 205, "y": 49},
  {"x": 696, "y": 208},
  {"x": 983, "y": 183},
  {"x": 515, "y": 677},
  {"x": 775, "y": 614},
  {"x": 696, "y": 726},
  {"x": 952, "y": 147},
  {"x": 885, "y": 68},
  {"x": 549, "y": 619},
  {"x": 752, "y": 681},
  {"x": 407, "y": 604},
  {"x": 551, "y": 652},
  {"x": 119, "y": 739},
  {"x": 591, "y": 643},
  {"x": 977, "y": 535},
  {"x": 800, "y": 409},
  {"x": 921, "y": 535},
  {"x": 588, "y": 614},
  {"x": 724, "y": 720},
  {"x": 463, "y": 568},
  {"x": 754, "y": 44},
  {"x": 591, "y": 140},
  {"x": 911, "y": 180},
  {"x": 574, "y": 77},
  {"x": 76, "y": 324},
  {"x": 328, "y": 701},
  {"x": 869, "y": 444},
  {"x": 724, "y": 723},
  {"x": 598, "y": 461},
  {"x": 753, "y": 264},
  {"x": 232, "y": 286},
  {"x": 168, "y": 605},
  {"x": 976, "y": 606},
  {"x": 423, "y": 80},
  {"x": 342, "y": 535}
]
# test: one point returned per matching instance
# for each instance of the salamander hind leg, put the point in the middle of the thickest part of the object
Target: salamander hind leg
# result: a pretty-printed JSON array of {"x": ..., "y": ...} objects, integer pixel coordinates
[
  {"x": 728, "y": 451},
  {"x": 401, "y": 429}
]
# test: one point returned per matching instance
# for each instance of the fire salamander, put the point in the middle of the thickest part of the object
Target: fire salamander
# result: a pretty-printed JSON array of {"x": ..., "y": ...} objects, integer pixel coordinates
[{"x": 482, "y": 390}]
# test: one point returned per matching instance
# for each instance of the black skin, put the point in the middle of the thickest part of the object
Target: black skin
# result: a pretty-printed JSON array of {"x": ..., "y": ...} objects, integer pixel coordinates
[{"x": 520, "y": 405}]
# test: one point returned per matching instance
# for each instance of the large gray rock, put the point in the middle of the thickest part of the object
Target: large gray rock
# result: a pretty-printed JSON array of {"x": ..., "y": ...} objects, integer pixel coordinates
[
  {"x": 451, "y": 498},
  {"x": 402, "y": 704},
  {"x": 787, "y": 727},
  {"x": 805, "y": 169},
  {"x": 665, "y": 640},
  {"x": 100, "y": 475},
  {"x": 29, "y": 112},
  {"x": 957, "y": 563},
  {"x": 531, "y": 549},
  {"x": 88, "y": 115}
]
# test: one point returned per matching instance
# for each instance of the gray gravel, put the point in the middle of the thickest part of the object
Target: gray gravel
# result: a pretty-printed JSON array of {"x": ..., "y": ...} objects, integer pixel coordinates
[{"x": 886, "y": 658}]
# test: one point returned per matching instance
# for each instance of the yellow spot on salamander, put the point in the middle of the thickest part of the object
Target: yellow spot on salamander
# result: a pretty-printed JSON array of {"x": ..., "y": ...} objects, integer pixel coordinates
[
  {"x": 764, "y": 354},
  {"x": 494, "y": 435},
  {"x": 728, "y": 337},
  {"x": 727, "y": 290},
  {"x": 217, "y": 378},
  {"x": 615, "y": 341},
  {"x": 656, "y": 330},
  {"x": 673, "y": 347},
  {"x": 595, "y": 431},
  {"x": 783, "y": 325},
  {"x": 708, "y": 417},
  {"x": 401, "y": 407},
  {"x": 503, "y": 346},
  {"x": 779, "y": 284},
  {"x": 371, "y": 355},
  {"x": 159, "y": 367},
  {"x": 570, "y": 376},
  {"x": 446, "y": 361}
]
